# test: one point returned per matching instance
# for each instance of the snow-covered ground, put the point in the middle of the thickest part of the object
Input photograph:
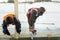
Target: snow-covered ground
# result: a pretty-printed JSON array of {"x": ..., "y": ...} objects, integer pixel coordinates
[{"x": 48, "y": 23}]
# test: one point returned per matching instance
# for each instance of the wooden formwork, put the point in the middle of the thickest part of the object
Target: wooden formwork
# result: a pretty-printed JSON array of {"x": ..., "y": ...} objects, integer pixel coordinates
[
  {"x": 36, "y": 37},
  {"x": 28, "y": 35}
]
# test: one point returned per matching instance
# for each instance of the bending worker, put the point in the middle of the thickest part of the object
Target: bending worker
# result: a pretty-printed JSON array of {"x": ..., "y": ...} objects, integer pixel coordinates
[
  {"x": 32, "y": 15},
  {"x": 11, "y": 19}
]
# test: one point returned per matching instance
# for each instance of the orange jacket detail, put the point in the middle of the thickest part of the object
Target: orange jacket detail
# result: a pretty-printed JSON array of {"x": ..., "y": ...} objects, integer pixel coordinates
[{"x": 9, "y": 15}]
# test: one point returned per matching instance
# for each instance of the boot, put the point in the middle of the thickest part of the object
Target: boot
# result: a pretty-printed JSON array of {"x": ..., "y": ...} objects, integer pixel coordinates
[{"x": 34, "y": 32}]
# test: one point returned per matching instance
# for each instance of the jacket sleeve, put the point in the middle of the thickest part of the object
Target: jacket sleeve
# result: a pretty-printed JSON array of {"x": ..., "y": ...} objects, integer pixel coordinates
[{"x": 32, "y": 18}]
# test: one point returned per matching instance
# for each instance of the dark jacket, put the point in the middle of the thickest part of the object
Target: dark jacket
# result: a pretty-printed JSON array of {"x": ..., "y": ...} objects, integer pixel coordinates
[{"x": 35, "y": 14}]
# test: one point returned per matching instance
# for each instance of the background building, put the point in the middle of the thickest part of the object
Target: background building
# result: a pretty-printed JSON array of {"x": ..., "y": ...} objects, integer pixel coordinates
[
  {"x": 10, "y": 1},
  {"x": 41, "y": 0}
]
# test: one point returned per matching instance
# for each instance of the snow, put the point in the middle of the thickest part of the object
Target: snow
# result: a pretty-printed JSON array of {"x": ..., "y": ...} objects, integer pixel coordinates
[{"x": 43, "y": 23}]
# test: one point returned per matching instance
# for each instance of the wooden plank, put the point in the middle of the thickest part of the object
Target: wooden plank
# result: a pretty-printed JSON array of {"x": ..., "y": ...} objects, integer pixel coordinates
[
  {"x": 28, "y": 35},
  {"x": 53, "y": 35},
  {"x": 16, "y": 14},
  {"x": 16, "y": 8}
]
